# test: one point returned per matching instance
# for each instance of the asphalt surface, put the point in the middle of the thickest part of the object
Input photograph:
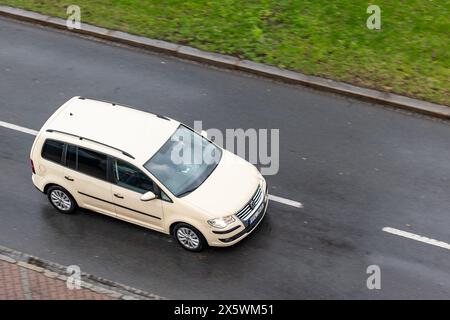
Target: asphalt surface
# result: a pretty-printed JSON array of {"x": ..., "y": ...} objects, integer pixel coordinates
[{"x": 356, "y": 167}]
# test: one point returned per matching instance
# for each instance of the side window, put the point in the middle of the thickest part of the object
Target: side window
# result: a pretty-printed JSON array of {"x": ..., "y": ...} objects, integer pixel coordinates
[
  {"x": 164, "y": 196},
  {"x": 71, "y": 157},
  {"x": 92, "y": 163},
  {"x": 53, "y": 150},
  {"x": 130, "y": 177}
]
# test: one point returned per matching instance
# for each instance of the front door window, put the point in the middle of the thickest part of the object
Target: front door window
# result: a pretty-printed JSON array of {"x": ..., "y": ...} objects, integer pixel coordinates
[{"x": 130, "y": 177}]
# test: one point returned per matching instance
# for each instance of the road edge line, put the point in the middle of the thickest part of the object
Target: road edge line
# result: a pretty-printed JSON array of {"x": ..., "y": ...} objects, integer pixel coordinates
[{"x": 229, "y": 62}]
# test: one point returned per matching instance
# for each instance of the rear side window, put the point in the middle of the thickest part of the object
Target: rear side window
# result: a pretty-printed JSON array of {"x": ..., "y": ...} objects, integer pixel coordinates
[
  {"x": 92, "y": 163},
  {"x": 53, "y": 150}
]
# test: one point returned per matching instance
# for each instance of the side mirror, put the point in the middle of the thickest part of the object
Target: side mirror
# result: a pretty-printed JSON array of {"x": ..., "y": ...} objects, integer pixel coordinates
[
  {"x": 204, "y": 134},
  {"x": 148, "y": 196}
]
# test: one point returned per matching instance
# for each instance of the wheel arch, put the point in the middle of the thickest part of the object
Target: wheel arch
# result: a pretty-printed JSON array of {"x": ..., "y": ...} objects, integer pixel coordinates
[
  {"x": 173, "y": 224},
  {"x": 188, "y": 222},
  {"x": 51, "y": 184}
]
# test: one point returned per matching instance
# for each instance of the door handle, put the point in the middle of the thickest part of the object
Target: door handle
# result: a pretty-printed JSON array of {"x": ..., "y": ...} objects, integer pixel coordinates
[
  {"x": 68, "y": 178},
  {"x": 118, "y": 196}
]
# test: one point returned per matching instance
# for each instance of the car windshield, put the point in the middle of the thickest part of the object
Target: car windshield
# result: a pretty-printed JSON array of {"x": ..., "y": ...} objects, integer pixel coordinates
[{"x": 184, "y": 161}]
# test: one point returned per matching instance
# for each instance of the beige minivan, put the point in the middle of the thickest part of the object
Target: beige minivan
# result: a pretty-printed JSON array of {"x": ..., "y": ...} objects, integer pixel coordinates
[{"x": 149, "y": 170}]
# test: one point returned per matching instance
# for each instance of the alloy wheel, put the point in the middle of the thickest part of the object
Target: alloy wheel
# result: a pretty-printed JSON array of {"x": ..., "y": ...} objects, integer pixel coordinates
[
  {"x": 188, "y": 238},
  {"x": 60, "y": 200}
]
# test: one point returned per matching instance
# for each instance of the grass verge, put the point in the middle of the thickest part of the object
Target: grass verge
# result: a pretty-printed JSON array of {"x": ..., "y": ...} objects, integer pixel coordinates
[{"x": 410, "y": 55}]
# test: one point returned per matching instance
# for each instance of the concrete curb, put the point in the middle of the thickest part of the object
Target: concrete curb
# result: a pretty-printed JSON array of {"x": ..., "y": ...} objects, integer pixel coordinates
[
  {"x": 229, "y": 62},
  {"x": 88, "y": 281}
]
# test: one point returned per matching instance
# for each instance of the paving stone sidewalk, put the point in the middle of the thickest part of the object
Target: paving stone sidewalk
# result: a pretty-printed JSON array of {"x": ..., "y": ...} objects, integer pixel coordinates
[
  {"x": 25, "y": 277},
  {"x": 21, "y": 283}
]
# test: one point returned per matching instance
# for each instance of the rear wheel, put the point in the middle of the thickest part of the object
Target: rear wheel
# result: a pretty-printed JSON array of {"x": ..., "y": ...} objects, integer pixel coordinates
[
  {"x": 61, "y": 199},
  {"x": 189, "y": 237}
]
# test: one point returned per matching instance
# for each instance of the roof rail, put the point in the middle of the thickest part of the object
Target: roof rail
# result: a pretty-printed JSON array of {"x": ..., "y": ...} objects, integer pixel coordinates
[
  {"x": 100, "y": 100},
  {"x": 162, "y": 117},
  {"x": 124, "y": 105},
  {"x": 87, "y": 139}
]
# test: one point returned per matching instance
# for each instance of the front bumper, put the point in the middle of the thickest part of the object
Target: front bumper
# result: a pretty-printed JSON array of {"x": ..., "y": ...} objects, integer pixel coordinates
[{"x": 238, "y": 232}]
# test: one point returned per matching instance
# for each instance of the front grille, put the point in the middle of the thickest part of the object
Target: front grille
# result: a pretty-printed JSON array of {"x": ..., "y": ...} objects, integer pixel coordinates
[{"x": 252, "y": 205}]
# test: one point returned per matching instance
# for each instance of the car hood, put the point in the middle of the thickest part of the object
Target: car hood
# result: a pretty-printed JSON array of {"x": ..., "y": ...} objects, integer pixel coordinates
[{"x": 228, "y": 189}]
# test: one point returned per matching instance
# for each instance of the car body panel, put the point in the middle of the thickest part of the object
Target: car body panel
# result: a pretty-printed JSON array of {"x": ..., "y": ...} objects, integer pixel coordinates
[{"x": 131, "y": 208}]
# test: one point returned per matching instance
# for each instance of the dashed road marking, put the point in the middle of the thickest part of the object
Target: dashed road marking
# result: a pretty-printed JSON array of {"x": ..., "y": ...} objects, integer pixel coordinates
[
  {"x": 18, "y": 128},
  {"x": 34, "y": 132},
  {"x": 417, "y": 237},
  {"x": 286, "y": 201}
]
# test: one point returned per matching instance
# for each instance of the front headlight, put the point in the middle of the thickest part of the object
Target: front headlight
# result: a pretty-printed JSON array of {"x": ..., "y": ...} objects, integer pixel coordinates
[
  {"x": 263, "y": 186},
  {"x": 221, "y": 222},
  {"x": 262, "y": 181}
]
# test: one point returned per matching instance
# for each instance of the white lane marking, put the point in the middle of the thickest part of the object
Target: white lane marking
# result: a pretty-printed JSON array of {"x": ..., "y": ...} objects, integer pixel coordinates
[
  {"x": 416, "y": 237},
  {"x": 34, "y": 132},
  {"x": 18, "y": 128},
  {"x": 286, "y": 201}
]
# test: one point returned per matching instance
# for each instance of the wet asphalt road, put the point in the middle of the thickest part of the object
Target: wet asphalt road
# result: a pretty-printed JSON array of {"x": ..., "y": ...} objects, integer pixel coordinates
[{"x": 356, "y": 167}]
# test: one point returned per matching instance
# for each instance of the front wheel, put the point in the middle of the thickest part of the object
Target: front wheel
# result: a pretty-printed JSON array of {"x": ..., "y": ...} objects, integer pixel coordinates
[
  {"x": 189, "y": 237},
  {"x": 61, "y": 199}
]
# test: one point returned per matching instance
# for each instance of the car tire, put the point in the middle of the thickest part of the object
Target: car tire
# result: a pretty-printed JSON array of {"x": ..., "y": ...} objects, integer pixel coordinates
[
  {"x": 61, "y": 199},
  {"x": 189, "y": 237}
]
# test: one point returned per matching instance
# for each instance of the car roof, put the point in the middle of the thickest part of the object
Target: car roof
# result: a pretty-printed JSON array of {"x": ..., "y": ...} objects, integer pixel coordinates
[{"x": 133, "y": 132}]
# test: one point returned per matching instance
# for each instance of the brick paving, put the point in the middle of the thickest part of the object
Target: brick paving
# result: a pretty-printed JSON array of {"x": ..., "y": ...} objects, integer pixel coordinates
[{"x": 20, "y": 283}]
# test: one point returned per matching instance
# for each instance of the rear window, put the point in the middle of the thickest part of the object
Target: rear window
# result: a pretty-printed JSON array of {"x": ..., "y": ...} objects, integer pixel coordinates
[
  {"x": 92, "y": 163},
  {"x": 53, "y": 150}
]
